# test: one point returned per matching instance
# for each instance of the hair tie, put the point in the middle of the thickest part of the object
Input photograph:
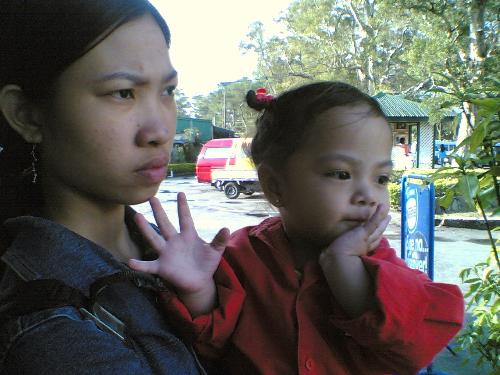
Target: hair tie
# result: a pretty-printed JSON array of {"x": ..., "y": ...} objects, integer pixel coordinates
[{"x": 262, "y": 95}]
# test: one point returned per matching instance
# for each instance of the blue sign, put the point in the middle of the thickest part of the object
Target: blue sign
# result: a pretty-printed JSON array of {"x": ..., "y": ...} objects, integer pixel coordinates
[{"x": 417, "y": 223}]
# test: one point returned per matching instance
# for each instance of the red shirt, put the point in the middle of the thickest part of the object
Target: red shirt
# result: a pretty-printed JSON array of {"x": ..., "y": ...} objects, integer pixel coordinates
[{"x": 270, "y": 322}]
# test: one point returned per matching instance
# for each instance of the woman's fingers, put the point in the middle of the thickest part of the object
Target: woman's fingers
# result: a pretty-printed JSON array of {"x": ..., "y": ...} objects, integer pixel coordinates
[
  {"x": 145, "y": 266},
  {"x": 185, "y": 220},
  {"x": 154, "y": 239},
  {"x": 166, "y": 227},
  {"x": 220, "y": 240}
]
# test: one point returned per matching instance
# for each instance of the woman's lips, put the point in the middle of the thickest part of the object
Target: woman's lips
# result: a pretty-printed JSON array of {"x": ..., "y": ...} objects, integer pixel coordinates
[{"x": 155, "y": 170}]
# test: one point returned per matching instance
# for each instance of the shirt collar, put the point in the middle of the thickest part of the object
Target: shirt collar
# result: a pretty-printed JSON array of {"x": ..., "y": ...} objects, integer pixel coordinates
[{"x": 272, "y": 233}]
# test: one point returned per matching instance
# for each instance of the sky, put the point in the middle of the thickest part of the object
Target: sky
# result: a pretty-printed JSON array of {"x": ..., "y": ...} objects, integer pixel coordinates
[{"x": 206, "y": 36}]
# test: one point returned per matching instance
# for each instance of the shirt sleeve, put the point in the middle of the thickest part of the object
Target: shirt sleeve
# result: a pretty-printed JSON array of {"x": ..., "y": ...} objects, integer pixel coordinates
[
  {"x": 210, "y": 332},
  {"x": 414, "y": 319}
]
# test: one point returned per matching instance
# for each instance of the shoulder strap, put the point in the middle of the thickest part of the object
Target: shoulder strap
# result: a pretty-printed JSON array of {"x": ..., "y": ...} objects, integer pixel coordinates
[{"x": 37, "y": 295}]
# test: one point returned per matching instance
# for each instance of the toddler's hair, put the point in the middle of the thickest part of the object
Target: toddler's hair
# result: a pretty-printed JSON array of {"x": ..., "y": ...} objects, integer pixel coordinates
[{"x": 288, "y": 119}]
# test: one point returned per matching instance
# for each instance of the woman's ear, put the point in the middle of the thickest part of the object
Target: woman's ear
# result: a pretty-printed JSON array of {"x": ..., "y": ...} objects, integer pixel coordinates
[
  {"x": 271, "y": 184},
  {"x": 20, "y": 114}
]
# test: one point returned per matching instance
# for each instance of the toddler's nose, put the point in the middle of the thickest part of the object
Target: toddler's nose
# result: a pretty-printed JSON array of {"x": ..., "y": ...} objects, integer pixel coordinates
[{"x": 364, "y": 196}]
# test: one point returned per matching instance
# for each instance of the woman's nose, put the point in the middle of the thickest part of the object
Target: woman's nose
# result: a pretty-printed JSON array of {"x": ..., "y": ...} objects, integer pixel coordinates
[{"x": 157, "y": 125}]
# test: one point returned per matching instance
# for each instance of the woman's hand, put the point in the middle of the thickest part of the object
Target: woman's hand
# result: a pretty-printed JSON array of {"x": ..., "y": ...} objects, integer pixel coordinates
[{"x": 184, "y": 259}]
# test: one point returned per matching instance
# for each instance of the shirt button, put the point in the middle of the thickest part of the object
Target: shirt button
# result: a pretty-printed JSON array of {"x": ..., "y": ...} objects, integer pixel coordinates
[{"x": 309, "y": 364}]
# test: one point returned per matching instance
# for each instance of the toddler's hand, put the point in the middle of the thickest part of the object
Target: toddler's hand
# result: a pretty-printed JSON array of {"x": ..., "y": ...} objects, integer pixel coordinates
[
  {"x": 185, "y": 260},
  {"x": 363, "y": 238}
]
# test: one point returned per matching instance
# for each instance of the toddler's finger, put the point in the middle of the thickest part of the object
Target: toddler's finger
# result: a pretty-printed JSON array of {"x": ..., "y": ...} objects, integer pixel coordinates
[
  {"x": 185, "y": 220},
  {"x": 220, "y": 240},
  {"x": 379, "y": 231},
  {"x": 374, "y": 244},
  {"x": 144, "y": 266},
  {"x": 161, "y": 218},
  {"x": 380, "y": 214}
]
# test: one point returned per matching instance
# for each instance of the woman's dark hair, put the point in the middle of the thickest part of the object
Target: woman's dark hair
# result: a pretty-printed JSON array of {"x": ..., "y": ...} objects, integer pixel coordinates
[
  {"x": 39, "y": 39},
  {"x": 288, "y": 119}
]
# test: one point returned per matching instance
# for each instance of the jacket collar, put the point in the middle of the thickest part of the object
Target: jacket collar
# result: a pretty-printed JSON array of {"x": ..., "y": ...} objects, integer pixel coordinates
[{"x": 43, "y": 249}]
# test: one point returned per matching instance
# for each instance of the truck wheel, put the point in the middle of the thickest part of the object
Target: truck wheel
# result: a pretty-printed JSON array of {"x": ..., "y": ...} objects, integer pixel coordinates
[{"x": 232, "y": 190}]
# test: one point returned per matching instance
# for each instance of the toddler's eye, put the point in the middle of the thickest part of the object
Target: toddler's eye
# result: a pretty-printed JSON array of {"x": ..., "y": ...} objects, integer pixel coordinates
[
  {"x": 123, "y": 94},
  {"x": 169, "y": 91},
  {"x": 383, "y": 180},
  {"x": 341, "y": 175}
]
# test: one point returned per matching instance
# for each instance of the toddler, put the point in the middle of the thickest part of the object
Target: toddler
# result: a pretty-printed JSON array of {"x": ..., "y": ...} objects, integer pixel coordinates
[{"x": 318, "y": 289}]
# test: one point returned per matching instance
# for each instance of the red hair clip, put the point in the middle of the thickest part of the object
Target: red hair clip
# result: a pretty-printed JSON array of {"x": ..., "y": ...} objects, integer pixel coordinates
[{"x": 262, "y": 95}]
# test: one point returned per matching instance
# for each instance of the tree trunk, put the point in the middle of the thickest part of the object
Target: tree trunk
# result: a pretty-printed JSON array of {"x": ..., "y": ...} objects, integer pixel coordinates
[{"x": 476, "y": 54}]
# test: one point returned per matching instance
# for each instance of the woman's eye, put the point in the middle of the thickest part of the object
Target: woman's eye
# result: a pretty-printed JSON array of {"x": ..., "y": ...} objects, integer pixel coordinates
[
  {"x": 383, "y": 180},
  {"x": 169, "y": 91},
  {"x": 123, "y": 94},
  {"x": 341, "y": 175}
]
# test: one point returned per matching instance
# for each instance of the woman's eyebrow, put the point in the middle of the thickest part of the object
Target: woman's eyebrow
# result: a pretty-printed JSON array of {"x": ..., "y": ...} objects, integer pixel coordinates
[{"x": 133, "y": 77}]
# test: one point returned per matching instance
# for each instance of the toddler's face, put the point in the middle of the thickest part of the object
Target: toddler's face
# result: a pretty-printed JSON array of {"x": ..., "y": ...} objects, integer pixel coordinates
[{"x": 336, "y": 180}]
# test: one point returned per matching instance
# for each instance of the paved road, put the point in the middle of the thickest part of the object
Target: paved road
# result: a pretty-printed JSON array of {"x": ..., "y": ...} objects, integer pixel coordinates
[{"x": 455, "y": 248}]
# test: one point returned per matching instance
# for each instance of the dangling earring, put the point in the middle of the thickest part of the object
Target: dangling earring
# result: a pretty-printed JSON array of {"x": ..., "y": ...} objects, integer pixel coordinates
[
  {"x": 32, "y": 170},
  {"x": 34, "y": 159}
]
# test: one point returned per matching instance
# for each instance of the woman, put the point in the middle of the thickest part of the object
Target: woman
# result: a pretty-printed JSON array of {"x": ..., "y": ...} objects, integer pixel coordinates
[{"x": 88, "y": 120}]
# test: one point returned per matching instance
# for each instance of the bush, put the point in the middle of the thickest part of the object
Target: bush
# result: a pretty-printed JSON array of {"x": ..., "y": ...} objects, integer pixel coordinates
[
  {"x": 446, "y": 182},
  {"x": 182, "y": 169},
  {"x": 395, "y": 195}
]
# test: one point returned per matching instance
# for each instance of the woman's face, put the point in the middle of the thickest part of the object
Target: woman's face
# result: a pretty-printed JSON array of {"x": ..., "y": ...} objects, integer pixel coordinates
[{"x": 108, "y": 133}]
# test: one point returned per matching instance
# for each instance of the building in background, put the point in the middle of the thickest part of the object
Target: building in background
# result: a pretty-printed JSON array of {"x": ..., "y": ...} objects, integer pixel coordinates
[
  {"x": 191, "y": 134},
  {"x": 409, "y": 120}
]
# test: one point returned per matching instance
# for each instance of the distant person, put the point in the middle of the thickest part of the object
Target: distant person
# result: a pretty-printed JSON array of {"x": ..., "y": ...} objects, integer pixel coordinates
[
  {"x": 87, "y": 121},
  {"x": 442, "y": 154},
  {"x": 317, "y": 288},
  {"x": 401, "y": 155},
  {"x": 404, "y": 146}
]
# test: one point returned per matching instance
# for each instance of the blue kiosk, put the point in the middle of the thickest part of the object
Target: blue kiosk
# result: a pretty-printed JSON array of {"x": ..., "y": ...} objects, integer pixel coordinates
[{"x": 417, "y": 230}]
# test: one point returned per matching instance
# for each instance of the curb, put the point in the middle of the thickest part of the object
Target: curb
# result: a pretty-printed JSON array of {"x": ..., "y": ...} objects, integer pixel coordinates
[{"x": 468, "y": 223}]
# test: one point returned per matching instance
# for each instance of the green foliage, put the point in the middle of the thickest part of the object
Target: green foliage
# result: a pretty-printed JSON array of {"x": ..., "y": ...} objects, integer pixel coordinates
[
  {"x": 394, "y": 195},
  {"x": 229, "y": 98},
  {"x": 182, "y": 169},
  {"x": 480, "y": 190},
  {"x": 441, "y": 186},
  {"x": 482, "y": 335},
  {"x": 183, "y": 104}
]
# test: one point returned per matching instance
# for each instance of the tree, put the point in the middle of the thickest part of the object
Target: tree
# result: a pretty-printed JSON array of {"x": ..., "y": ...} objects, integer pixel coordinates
[
  {"x": 467, "y": 32},
  {"x": 358, "y": 41},
  {"x": 183, "y": 104},
  {"x": 481, "y": 191},
  {"x": 229, "y": 97}
]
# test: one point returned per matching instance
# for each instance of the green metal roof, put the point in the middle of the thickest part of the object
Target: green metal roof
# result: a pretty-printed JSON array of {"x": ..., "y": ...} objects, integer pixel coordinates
[
  {"x": 204, "y": 127},
  {"x": 397, "y": 108}
]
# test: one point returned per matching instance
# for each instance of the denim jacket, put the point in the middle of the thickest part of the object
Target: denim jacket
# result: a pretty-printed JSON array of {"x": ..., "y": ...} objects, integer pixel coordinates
[{"x": 68, "y": 340}]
